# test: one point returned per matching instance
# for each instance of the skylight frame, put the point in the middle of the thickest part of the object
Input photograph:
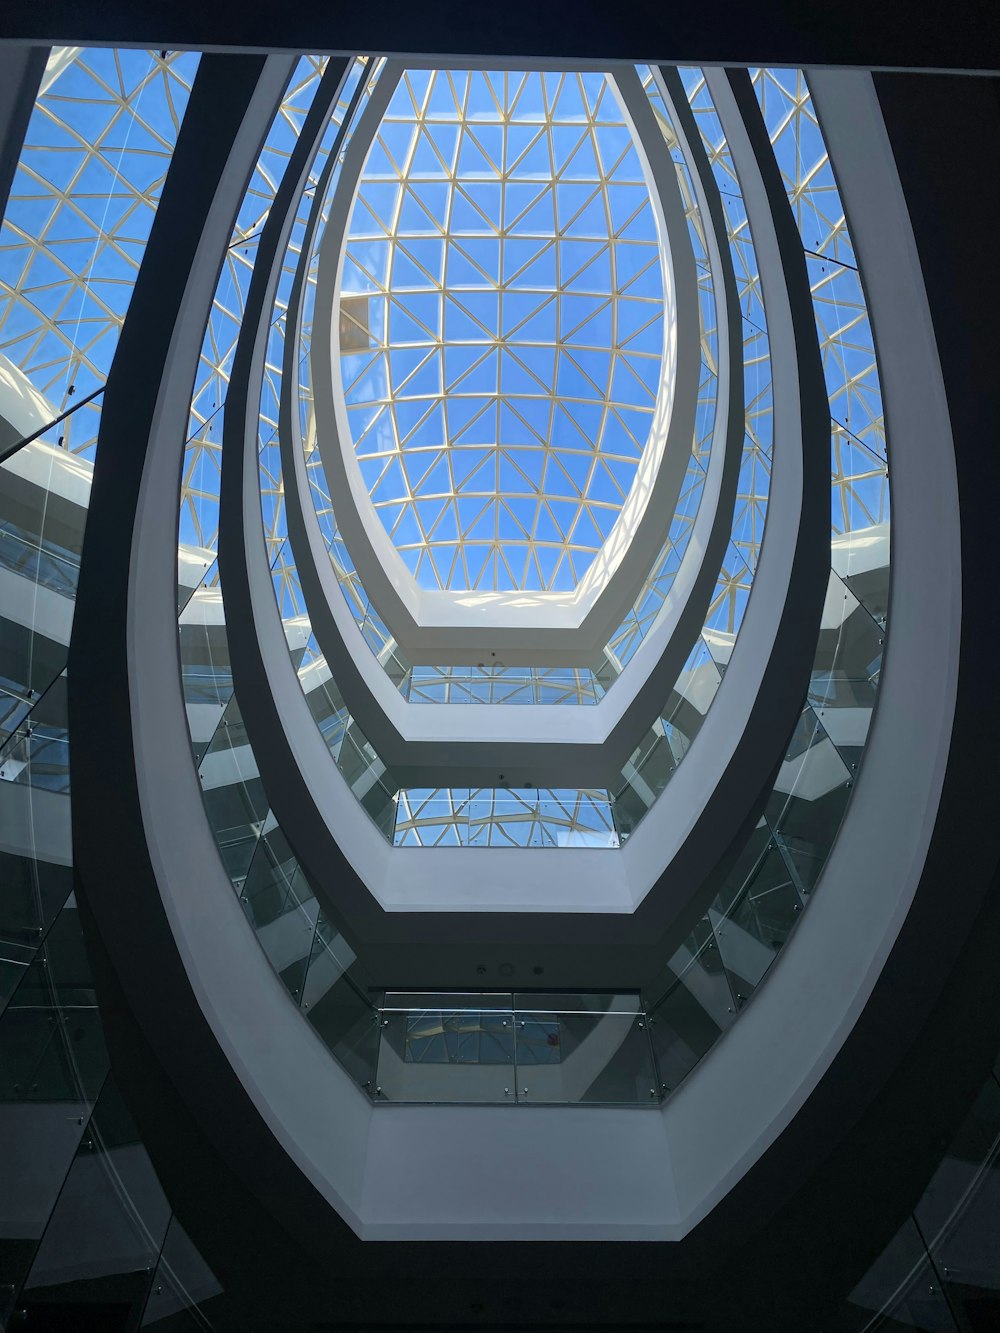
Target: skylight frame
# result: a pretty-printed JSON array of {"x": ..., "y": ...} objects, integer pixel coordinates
[
  {"x": 475, "y": 532},
  {"x": 516, "y": 622}
]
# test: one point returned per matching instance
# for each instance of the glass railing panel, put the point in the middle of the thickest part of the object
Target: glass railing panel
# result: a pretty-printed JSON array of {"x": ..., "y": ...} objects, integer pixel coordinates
[
  {"x": 53, "y": 1063},
  {"x": 844, "y": 682},
  {"x": 37, "y": 754},
  {"x": 281, "y": 907},
  {"x": 343, "y": 1014},
  {"x": 578, "y": 1055},
  {"x": 182, "y": 1286},
  {"x": 440, "y": 1055},
  {"x": 51, "y": 1040},
  {"x": 326, "y": 705},
  {"x": 41, "y": 535},
  {"x": 642, "y": 779},
  {"x": 44, "y": 563},
  {"x": 860, "y": 517},
  {"x": 756, "y": 924},
  {"x": 697, "y": 1006},
  {"x": 682, "y": 1030},
  {"x": 583, "y": 1002},
  {"x": 29, "y": 662},
  {"x": 655, "y": 760},
  {"x": 330, "y": 959},
  {"x": 940, "y": 1270},
  {"x": 306, "y": 952},
  {"x": 235, "y": 801},
  {"x": 900, "y": 1291},
  {"x": 807, "y": 804},
  {"x": 503, "y": 1049},
  {"x": 374, "y": 786},
  {"x": 106, "y": 1230},
  {"x": 206, "y": 672},
  {"x": 958, "y": 1214}
]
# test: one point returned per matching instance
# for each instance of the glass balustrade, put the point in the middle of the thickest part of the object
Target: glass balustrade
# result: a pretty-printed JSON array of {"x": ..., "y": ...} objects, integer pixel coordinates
[{"x": 514, "y": 1048}]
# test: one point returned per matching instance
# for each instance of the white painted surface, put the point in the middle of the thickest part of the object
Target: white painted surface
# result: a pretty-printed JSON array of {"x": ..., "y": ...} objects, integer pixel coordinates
[{"x": 573, "y": 1173}]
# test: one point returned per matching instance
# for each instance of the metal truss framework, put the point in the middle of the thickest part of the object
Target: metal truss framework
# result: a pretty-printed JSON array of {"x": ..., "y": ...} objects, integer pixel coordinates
[
  {"x": 80, "y": 211},
  {"x": 859, "y": 469},
  {"x": 501, "y": 324},
  {"x": 81, "y": 205}
]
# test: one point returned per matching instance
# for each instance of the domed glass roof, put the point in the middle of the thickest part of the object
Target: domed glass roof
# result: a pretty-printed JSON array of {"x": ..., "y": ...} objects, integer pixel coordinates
[{"x": 501, "y": 324}]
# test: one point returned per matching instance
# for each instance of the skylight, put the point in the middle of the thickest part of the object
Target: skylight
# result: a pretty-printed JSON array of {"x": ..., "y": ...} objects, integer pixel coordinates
[{"x": 501, "y": 324}]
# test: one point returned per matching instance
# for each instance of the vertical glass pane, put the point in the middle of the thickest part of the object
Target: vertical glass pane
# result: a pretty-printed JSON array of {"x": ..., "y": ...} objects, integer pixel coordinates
[
  {"x": 697, "y": 1007},
  {"x": 447, "y": 1054},
  {"x": 807, "y": 804},
  {"x": 959, "y": 1213},
  {"x": 902, "y": 1287},
  {"x": 205, "y": 666},
  {"x": 845, "y": 673},
  {"x": 104, "y": 1236},
  {"x": 51, "y": 1041},
  {"x": 756, "y": 924},
  {"x": 342, "y": 1014},
  {"x": 682, "y": 1031},
  {"x": 43, "y": 498},
  {"x": 281, "y": 907},
  {"x": 181, "y": 1282},
  {"x": 233, "y": 793},
  {"x": 584, "y": 1053},
  {"x": 52, "y": 1066}
]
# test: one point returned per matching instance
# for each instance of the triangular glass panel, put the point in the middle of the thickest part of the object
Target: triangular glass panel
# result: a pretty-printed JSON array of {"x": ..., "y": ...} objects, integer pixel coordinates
[
  {"x": 570, "y": 104},
  {"x": 426, "y": 162},
  {"x": 473, "y": 162},
  {"x": 403, "y": 328},
  {"x": 572, "y": 154},
  {"x": 483, "y": 253},
  {"x": 528, "y": 102},
  {"x": 405, "y": 272}
]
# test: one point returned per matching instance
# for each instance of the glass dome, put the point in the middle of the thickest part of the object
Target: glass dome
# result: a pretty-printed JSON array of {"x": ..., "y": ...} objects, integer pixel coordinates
[{"x": 501, "y": 324}]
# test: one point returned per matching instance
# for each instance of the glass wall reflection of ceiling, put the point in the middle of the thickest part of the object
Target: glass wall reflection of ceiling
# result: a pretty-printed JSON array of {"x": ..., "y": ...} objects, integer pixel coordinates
[
  {"x": 501, "y": 324},
  {"x": 81, "y": 204}
]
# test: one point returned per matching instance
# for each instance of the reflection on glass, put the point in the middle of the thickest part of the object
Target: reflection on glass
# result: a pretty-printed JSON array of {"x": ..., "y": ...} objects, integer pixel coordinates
[
  {"x": 105, "y": 1232},
  {"x": 515, "y": 1049},
  {"x": 900, "y": 1290},
  {"x": 53, "y": 1064},
  {"x": 182, "y": 1282},
  {"x": 959, "y": 1213},
  {"x": 43, "y": 498},
  {"x": 807, "y": 804},
  {"x": 280, "y": 905},
  {"x": 442, "y": 1055}
]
